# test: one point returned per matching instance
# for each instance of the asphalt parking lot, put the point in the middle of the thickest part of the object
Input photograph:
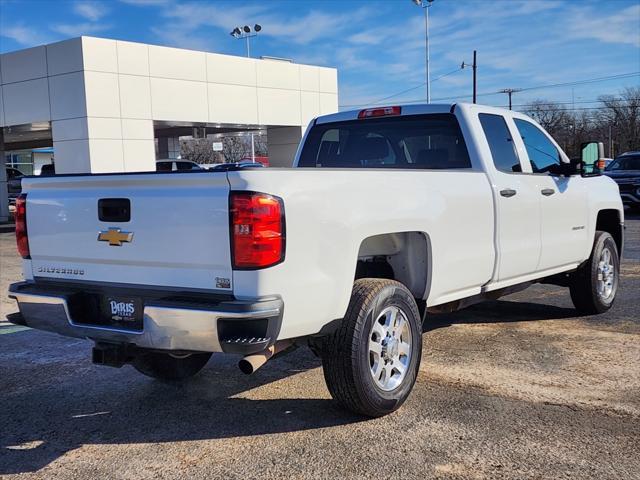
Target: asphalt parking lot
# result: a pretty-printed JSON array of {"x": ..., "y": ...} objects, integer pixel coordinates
[{"x": 515, "y": 388}]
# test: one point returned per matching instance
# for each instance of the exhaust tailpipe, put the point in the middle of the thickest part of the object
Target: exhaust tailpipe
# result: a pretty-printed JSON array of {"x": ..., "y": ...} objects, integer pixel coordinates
[{"x": 251, "y": 363}]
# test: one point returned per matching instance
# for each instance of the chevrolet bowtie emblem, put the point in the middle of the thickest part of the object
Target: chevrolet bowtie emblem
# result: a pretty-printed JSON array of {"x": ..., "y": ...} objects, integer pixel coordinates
[{"x": 115, "y": 237}]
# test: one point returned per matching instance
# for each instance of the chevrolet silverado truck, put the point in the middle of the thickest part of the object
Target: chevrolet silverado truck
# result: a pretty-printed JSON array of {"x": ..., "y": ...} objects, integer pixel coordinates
[{"x": 388, "y": 215}]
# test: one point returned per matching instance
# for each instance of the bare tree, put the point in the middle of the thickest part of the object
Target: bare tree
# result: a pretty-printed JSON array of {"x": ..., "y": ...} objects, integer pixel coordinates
[
  {"x": 552, "y": 116},
  {"x": 199, "y": 150},
  {"x": 616, "y": 122},
  {"x": 621, "y": 116},
  {"x": 260, "y": 145},
  {"x": 235, "y": 149}
]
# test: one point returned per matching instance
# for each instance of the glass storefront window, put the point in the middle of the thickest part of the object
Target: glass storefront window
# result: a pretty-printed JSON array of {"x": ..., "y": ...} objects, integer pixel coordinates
[{"x": 22, "y": 161}]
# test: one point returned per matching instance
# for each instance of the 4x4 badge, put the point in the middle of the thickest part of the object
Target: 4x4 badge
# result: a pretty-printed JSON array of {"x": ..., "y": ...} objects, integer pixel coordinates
[{"x": 115, "y": 236}]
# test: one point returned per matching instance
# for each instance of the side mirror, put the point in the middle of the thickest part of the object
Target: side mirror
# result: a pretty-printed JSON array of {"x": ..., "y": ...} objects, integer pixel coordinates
[{"x": 592, "y": 159}]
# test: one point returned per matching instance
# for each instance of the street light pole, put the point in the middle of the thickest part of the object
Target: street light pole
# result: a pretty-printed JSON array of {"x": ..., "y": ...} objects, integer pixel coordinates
[
  {"x": 426, "y": 37},
  {"x": 425, "y": 4}
]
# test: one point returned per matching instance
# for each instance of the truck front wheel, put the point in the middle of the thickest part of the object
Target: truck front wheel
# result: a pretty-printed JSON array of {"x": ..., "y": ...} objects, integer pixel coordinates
[
  {"x": 594, "y": 285},
  {"x": 371, "y": 362},
  {"x": 169, "y": 367}
]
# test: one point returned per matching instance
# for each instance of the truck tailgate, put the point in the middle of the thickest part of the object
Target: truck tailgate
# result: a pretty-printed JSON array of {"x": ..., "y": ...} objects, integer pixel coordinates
[{"x": 177, "y": 233}]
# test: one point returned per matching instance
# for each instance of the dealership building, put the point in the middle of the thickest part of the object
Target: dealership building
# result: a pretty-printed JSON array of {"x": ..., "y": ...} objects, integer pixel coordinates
[{"x": 112, "y": 106}]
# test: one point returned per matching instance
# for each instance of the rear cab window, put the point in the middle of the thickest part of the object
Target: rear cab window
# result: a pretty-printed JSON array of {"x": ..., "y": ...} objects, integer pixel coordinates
[
  {"x": 431, "y": 141},
  {"x": 503, "y": 150}
]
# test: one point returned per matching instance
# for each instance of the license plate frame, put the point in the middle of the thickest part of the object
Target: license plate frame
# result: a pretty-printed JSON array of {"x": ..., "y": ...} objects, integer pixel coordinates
[{"x": 122, "y": 310}]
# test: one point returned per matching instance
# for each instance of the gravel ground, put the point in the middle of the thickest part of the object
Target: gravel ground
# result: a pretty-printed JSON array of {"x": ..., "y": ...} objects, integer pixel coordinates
[{"x": 516, "y": 388}]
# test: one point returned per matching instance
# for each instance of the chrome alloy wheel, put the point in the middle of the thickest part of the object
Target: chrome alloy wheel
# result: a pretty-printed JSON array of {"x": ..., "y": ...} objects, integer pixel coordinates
[
  {"x": 606, "y": 275},
  {"x": 389, "y": 348}
]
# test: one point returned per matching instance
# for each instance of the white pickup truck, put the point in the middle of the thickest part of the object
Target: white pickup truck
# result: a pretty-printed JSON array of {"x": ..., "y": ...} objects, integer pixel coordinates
[{"x": 388, "y": 215}]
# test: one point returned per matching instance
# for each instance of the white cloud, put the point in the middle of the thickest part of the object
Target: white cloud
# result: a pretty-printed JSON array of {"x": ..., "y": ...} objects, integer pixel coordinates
[
  {"x": 25, "y": 36},
  {"x": 313, "y": 26},
  {"x": 92, "y": 11},
  {"x": 620, "y": 27},
  {"x": 366, "y": 38},
  {"x": 146, "y": 3},
  {"x": 178, "y": 37},
  {"x": 302, "y": 30},
  {"x": 79, "y": 29}
]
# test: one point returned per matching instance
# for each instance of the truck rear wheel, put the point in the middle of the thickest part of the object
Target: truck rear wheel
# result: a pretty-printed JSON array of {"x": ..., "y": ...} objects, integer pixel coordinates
[
  {"x": 168, "y": 367},
  {"x": 371, "y": 362},
  {"x": 594, "y": 285}
]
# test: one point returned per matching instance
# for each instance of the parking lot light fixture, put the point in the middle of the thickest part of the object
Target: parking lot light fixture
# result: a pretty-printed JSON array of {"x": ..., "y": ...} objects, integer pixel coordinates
[{"x": 246, "y": 32}]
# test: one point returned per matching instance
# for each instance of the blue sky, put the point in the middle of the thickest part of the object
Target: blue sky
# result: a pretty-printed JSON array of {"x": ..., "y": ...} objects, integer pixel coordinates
[{"x": 377, "y": 45}]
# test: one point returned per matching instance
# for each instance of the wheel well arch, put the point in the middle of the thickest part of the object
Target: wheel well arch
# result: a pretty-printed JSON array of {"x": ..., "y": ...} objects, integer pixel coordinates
[
  {"x": 401, "y": 256},
  {"x": 609, "y": 220}
]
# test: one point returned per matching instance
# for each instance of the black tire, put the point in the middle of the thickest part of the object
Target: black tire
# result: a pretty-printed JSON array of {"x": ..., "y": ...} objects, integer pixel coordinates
[
  {"x": 584, "y": 283},
  {"x": 346, "y": 356},
  {"x": 164, "y": 366}
]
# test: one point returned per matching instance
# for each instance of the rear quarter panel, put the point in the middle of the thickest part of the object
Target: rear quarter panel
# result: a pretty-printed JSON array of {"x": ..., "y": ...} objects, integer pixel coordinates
[{"x": 330, "y": 212}]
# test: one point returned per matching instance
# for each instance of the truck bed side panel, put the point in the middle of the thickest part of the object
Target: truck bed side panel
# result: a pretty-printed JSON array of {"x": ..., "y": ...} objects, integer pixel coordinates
[{"x": 329, "y": 213}]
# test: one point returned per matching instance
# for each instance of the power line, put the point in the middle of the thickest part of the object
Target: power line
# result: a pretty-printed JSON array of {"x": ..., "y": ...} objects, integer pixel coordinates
[
  {"x": 553, "y": 85},
  {"x": 404, "y": 91},
  {"x": 537, "y": 87},
  {"x": 560, "y": 104},
  {"x": 582, "y": 82},
  {"x": 577, "y": 109},
  {"x": 446, "y": 74},
  {"x": 400, "y": 93}
]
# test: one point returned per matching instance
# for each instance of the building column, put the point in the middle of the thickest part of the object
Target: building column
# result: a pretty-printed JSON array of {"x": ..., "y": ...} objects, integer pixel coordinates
[
  {"x": 103, "y": 145},
  {"x": 4, "y": 194},
  {"x": 282, "y": 143}
]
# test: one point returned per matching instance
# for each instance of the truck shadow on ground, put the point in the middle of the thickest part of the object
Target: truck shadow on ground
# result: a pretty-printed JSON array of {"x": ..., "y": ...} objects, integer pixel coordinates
[
  {"x": 119, "y": 406},
  {"x": 499, "y": 311},
  {"x": 42, "y": 420}
]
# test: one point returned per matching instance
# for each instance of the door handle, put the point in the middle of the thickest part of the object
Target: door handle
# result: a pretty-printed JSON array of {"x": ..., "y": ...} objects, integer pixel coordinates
[
  {"x": 547, "y": 191},
  {"x": 508, "y": 192}
]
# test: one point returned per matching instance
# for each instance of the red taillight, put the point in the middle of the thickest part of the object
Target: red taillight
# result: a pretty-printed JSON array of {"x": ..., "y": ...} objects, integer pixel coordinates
[
  {"x": 21, "y": 225},
  {"x": 379, "y": 112},
  {"x": 257, "y": 230}
]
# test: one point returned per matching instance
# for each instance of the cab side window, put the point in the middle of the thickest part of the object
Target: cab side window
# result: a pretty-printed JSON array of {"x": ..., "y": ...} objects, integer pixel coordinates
[
  {"x": 543, "y": 155},
  {"x": 503, "y": 151}
]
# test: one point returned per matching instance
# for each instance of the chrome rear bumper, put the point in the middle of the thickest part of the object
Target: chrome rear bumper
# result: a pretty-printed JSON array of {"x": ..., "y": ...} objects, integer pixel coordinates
[{"x": 165, "y": 327}]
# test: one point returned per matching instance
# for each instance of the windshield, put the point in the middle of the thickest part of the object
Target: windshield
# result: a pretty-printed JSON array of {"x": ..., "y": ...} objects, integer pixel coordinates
[
  {"x": 628, "y": 162},
  {"x": 431, "y": 141}
]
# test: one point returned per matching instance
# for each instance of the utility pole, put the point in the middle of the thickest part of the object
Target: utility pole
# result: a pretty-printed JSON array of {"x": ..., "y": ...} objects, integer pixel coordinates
[
  {"x": 474, "y": 66},
  {"x": 510, "y": 91},
  {"x": 610, "y": 142},
  {"x": 475, "y": 78}
]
